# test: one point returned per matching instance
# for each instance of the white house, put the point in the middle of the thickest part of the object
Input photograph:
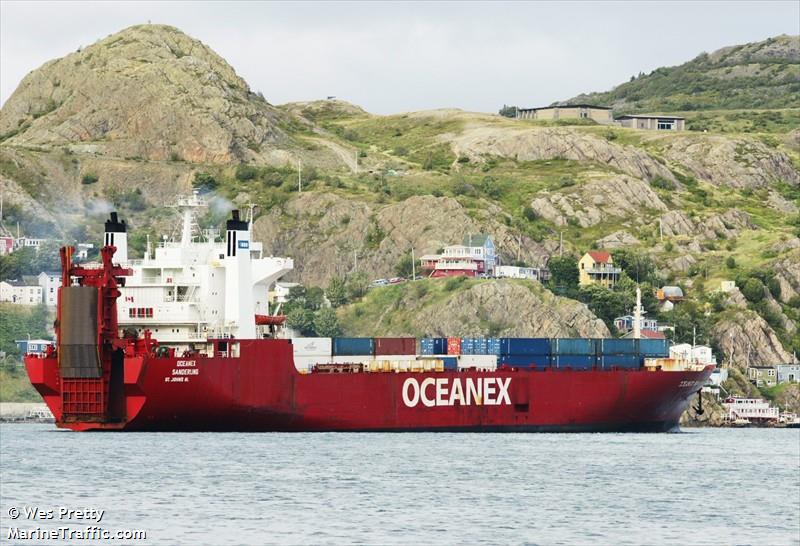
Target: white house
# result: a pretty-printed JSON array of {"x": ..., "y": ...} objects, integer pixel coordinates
[
  {"x": 29, "y": 242},
  {"x": 702, "y": 354},
  {"x": 788, "y": 373},
  {"x": 516, "y": 272},
  {"x": 476, "y": 256},
  {"x": 281, "y": 290},
  {"x": 19, "y": 293},
  {"x": 82, "y": 251},
  {"x": 49, "y": 281}
]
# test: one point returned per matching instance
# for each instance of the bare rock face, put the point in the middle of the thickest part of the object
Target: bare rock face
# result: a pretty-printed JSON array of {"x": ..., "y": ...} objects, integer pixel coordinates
[
  {"x": 618, "y": 239},
  {"x": 150, "y": 92},
  {"x": 537, "y": 313},
  {"x": 746, "y": 339},
  {"x": 327, "y": 234},
  {"x": 789, "y": 399},
  {"x": 787, "y": 272},
  {"x": 737, "y": 163},
  {"x": 533, "y": 144},
  {"x": 728, "y": 224},
  {"x": 619, "y": 196},
  {"x": 676, "y": 223},
  {"x": 683, "y": 263},
  {"x": 713, "y": 413},
  {"x": 780, "y": 204}
]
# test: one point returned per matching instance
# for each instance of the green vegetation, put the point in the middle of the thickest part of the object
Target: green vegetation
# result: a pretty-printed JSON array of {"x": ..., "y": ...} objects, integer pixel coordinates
[
  {"x": 19, "y": 322},
  {"x": 15, "y": 385}
]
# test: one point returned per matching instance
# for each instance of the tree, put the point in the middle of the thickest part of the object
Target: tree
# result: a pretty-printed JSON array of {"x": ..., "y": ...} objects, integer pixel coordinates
[
  {"x": 301, "y": 320},
  {"x": 404, "y": 267},
  {"x": 753, "y": 290},
  {"x": 357, "y": 285},
  {"x": 564, "y": 271},
  {"x": 508, "y": 111},
  {"x": 639, "y": 267},
  {"x": 730, "y": 262},
  {"x": 336, "y": 292},
  {"x": 326, "y": 323}
]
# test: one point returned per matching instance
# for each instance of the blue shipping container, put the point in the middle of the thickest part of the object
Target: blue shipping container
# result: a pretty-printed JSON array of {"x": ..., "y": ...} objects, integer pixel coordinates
[
  {"x": 450, "y": 362},
  {"x": 573, "y": 346},
  {"x": 493, "y": 346},
  {"x": 433, "y": 346},
  {"x": 524, "y": 346},
  {"x": 524, "y": 361},
  {"x": 353, "y": 346},
  {"x": 627, "y": 362},
  {"x": 576, "y": 362},
  {"x": 654, "y": 348},
  {"x": 620, "y": 346},
  {"x": 468, "y": 346}
]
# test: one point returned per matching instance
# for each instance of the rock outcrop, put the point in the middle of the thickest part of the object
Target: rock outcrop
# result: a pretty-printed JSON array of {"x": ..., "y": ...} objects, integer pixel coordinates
[
  {"x": 618, "y": 239},
  {"x": 787, "y": 272},
  {"x": 736, "y": 163},
  {"x": 619, "y": 197},
  {"x": 534, "y": 144},
  {"x": 149, "y": 91},
  {"x": 746, "y": 339}
]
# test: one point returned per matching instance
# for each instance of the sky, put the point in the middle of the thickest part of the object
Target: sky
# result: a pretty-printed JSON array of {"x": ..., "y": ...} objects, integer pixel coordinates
[{"x": 391, "y": 57}]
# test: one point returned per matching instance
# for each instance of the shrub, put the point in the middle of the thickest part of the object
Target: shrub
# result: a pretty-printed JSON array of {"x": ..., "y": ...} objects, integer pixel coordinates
[
  {"x": 463, "y": 159},
  {"x": 204, "y": 182},
  {"x": 730, "y": 262},
  {"x": 661, "y": 182},
  {"x": 774, "y": 287},
  {"x": 529, "y": 214},
  {"x": 246, "y": 172},
  {"x": 89, "y": 178},
  {"x": 794, "y": 301},
  {"x": 753, "y": 290},
  {"x": 453, "y": 283},
  {"x": 669, "y": 246}
]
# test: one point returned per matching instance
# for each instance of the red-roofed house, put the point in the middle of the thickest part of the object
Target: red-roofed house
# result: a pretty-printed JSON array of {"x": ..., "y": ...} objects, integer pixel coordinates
[{"x": 597, "y": 267}]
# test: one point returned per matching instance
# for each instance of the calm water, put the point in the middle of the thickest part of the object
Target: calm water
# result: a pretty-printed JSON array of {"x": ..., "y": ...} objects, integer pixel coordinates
[{"x": 698, "y": 487}]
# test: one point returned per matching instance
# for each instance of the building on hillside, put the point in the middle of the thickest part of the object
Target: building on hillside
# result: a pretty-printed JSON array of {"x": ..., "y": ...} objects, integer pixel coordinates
[
  {"x": 748, "y": 410},
  {"x": 788, "y": 373},
  {"x": 540, "y": 274},
  {"x": 19, "y": 293},
  {"x": 28, "y": 242},
  {"x": 82, "y": 251},
  {"x": 670, "y": 293},
  {"x": 762, "y": 376},
  {"x": 6, "y": 245},
  {"x": 597, "y": 267},
  {"x": 474, "y": 257},
  {"x": 600, "y": 114},
  {"x": 657, "y": 123},
  {"x": 50, "y": 282},
  {"x": 625, "y": 324},
  {"x": 727, "y": 286},
  {"x": 718, "y": 376},
  {"x": 35, "y": 346},
  {"x": 280, "y": 292}
]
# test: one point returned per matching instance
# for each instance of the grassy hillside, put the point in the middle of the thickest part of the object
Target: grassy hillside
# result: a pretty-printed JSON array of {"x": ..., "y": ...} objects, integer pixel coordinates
[{"x": 756, "y": 75}]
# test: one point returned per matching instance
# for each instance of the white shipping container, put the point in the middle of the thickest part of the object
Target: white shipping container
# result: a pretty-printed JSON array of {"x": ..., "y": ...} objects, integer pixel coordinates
[
  {"x": 486, "y": 362},
  {"x": 305, "y": 363},
  {"x": 312, "y": 346}
]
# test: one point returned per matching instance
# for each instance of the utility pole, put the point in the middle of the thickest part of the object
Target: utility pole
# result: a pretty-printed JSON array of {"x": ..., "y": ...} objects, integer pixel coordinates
[
  {"x": 519, "y": 246},
  {"x": 356, "y": 162},
  {"x": 299, "y": 177},
  {"x": 413, "y": 266},
  {"x": 661, "y": 229}
]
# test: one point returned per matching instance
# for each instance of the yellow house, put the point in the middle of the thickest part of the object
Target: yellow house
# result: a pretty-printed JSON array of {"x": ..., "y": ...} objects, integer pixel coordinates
[{"x": 597, "y": 267}]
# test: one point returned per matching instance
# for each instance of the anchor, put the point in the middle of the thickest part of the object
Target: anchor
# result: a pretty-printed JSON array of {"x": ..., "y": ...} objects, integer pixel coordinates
[{"x": 699, "y": 407}]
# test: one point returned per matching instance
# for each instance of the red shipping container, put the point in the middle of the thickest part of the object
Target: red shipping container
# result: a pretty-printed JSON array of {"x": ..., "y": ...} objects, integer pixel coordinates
[
  {"x": 454, "y": 345},
  {"x": 395, "y": 346}
]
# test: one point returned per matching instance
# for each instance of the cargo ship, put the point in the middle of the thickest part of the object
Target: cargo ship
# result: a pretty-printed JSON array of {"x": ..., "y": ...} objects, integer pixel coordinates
[{"x": 187, "y": 339}]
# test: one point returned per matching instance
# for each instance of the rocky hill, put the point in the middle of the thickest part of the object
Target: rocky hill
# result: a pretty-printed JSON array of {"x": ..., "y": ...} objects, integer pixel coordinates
[
  {"x": 756, "y": 75},
  {"x": 147, "y": 114}
]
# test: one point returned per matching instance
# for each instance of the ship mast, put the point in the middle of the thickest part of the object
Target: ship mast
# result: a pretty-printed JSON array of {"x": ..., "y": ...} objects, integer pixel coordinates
[
  {"x": 637, "y": 315},
  {"x": 188, "y": 207}
]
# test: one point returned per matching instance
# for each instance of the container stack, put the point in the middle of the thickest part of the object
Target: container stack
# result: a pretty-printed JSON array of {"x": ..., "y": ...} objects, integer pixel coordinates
[
  {"x": 574, "y": 353},
  {"x": 620, "y": 353},
  {"x": 395, "y": 346},
  {"x": 524, "y": 352},
  {"x": 433, "y": 346}
]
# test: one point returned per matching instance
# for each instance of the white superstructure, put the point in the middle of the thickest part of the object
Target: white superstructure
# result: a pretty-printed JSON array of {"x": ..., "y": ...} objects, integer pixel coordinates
[{"x": 198, "y": 287}]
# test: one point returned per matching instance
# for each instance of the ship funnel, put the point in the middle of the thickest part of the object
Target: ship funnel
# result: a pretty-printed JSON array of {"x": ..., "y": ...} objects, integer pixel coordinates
[
  {"x": 239, "y": 310},
  {"x": 116, "y": 235}
]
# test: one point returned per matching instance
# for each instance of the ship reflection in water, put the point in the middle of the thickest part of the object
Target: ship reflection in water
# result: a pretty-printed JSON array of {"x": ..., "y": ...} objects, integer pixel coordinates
[{"x": 703, "y": 486}]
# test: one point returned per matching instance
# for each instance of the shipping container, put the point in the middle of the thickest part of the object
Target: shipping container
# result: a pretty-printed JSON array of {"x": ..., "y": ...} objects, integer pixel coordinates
[
  {"x": 312, "y": 346},
  {"x": 627, "y": 362},
  {"x": 486, "y": 362},
  {"x": 450, "y": 362},
  {"x": 433, "y": 346},
  {"x": 395, "y": 346},
  {"x": 573, "y": 346},
  {"x": 493, "y": 346},
  {"x": 619, "y": 346},
  {"x": 353, "y": 346},
  {"x": 656, "y": 348},
  {"x": 576, "y": 362},
  {"x": 525, "y": 361},
  {"x": 524, "y": 346},
  {"x": 454, "y": 345}
]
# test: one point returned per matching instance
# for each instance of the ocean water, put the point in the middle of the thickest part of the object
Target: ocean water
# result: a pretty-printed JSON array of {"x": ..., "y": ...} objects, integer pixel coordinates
[{"x": 701, "y": 486}]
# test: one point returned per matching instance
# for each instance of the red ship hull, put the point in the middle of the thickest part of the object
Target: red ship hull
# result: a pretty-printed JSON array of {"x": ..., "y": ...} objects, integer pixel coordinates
[{"x": 260, "y": 390}]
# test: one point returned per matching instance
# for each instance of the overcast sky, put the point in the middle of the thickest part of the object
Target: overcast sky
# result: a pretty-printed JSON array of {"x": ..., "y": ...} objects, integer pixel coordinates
[{"x": 395, "y": 57}]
